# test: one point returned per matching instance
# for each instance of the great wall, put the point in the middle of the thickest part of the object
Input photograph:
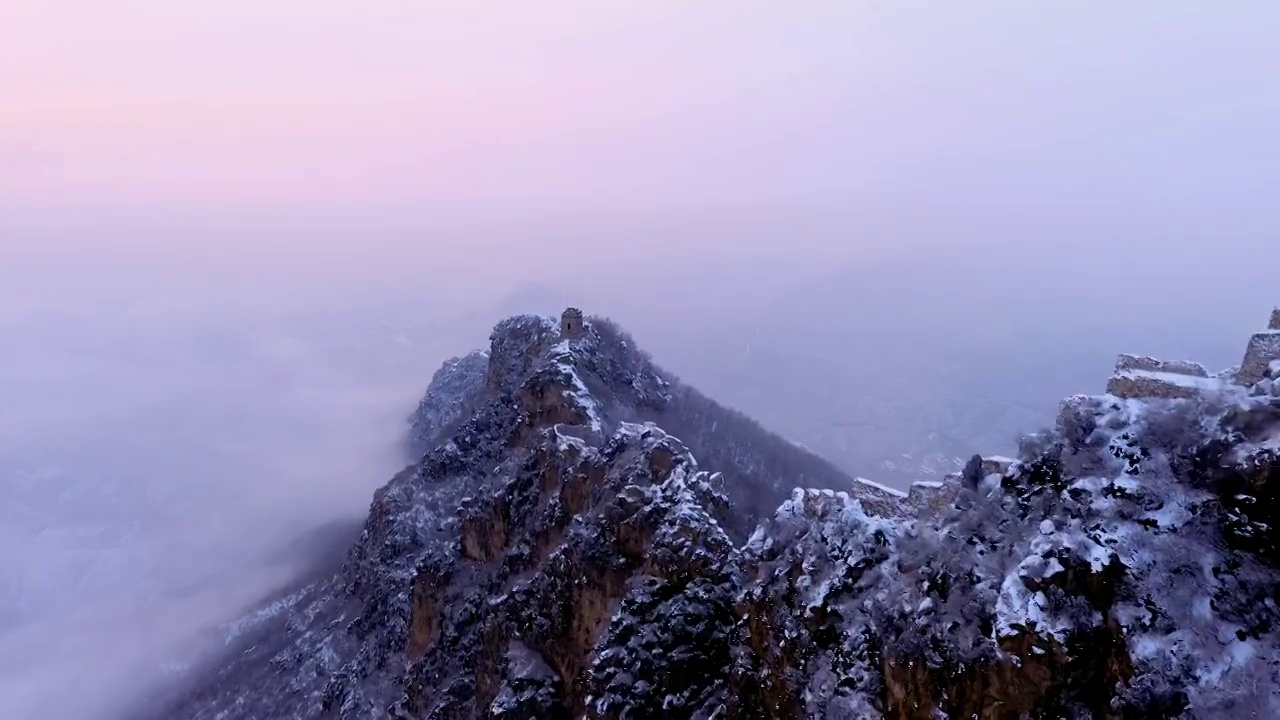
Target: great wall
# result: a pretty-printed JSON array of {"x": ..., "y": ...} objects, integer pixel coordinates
[{"x": 1136, "y": 378}]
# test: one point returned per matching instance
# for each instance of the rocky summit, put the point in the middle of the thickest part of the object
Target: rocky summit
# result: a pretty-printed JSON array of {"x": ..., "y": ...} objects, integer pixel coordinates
[{"x": 584, "y": 536}]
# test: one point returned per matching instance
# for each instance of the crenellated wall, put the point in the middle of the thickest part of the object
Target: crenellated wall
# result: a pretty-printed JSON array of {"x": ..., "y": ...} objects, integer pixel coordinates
[
  {"x": 1149, "y": 364},
  {"x": 1140, "y": 377}
]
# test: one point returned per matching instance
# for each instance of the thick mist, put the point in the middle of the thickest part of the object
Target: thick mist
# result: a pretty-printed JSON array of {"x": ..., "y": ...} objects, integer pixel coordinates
[
  {"x": 236, "y": 239},
  {"x": 161, "y": 447}
]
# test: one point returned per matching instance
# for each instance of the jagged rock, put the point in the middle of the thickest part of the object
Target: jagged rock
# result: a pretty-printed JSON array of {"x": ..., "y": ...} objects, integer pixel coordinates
[
  {"x": 973, "y": 472},
  {"x": 445, "y": 402},
  {"x": 627, "y": 524},
  {"x": 560, "y": 553}
]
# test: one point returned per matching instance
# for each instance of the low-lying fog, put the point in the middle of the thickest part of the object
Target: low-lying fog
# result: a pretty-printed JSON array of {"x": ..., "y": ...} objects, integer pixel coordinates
[{"x": 159, "y": 449}]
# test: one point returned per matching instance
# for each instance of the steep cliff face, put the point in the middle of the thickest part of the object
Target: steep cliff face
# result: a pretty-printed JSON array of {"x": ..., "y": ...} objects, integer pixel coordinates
[{"x": 580, "y": 540}]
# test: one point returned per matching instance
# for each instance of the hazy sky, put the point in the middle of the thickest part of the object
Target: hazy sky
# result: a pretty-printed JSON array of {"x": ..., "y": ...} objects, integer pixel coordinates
[{"x": 283, "y": 107}]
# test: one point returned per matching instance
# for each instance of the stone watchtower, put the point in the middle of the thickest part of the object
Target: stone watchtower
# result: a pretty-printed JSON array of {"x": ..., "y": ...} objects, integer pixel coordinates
[
  {"x": 571, "y": 323},
  {"x": 1263, "y": 350}
]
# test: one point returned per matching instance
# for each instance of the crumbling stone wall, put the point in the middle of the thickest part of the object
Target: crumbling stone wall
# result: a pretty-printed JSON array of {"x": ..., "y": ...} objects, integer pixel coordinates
[
  {"x": 932, "y": 497},
  {"x": 1139, "y": 376},
  {"x": 1177, "y": 367},
  {"x": 1139, "y": 385},
  {"x": 1264, "y": 347}
]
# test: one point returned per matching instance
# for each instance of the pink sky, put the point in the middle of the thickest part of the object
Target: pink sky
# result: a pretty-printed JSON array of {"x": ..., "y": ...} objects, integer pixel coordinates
[{"x": 351, "y": 102}]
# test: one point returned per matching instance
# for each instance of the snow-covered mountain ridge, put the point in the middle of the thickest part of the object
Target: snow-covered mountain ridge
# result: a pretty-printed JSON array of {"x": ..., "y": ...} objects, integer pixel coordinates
[{"x": 580, "y": 539}]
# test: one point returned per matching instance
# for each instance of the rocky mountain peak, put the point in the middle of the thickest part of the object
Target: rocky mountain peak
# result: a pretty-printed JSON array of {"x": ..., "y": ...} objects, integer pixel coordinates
[{"x": 584, "y": 536}]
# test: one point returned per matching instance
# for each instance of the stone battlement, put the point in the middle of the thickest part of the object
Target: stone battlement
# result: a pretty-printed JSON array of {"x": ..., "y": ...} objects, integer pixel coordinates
[
  {"x": 932, "y": 496},
  {"x": 1136, "y": 377},
  {"x": 1144, "y": 363},
  {"x": 878, "y": 499},
  {"x": 1140, "y": 377},
  {"x": 1139, "y": 384}
]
